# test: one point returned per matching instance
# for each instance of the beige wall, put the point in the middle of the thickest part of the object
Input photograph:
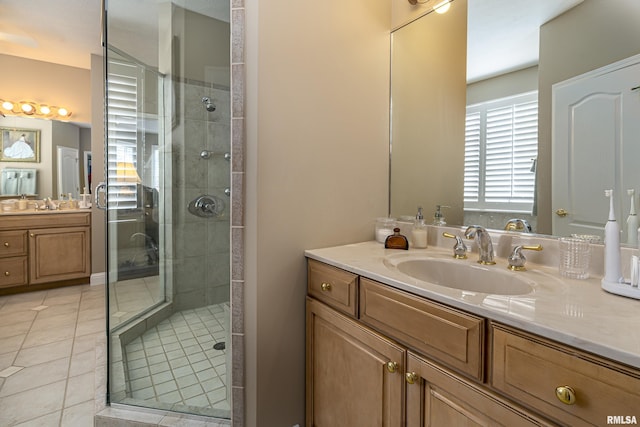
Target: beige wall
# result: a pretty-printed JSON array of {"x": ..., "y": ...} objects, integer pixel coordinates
[
  {"x": 503, "y": 86},
  {"x": 317, "y": 154},
  {"x": 593, "y": 34},
  {"x": 47, "y": 83}
]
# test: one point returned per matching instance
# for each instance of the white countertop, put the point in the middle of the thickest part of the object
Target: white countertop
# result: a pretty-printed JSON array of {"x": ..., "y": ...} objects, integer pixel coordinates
[{"x": 574, "y": 312}]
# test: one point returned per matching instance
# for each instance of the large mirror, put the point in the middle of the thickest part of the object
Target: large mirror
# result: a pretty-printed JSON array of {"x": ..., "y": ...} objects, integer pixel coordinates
[
  {"x": 62, "y": 164},
  {"x": 570, "y": 38}
]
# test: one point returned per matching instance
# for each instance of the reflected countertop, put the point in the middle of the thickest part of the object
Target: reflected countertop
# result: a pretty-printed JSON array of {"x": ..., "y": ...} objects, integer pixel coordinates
[
  {"x": 43, "y": 212},
  {"x": 578, "y": 313}
]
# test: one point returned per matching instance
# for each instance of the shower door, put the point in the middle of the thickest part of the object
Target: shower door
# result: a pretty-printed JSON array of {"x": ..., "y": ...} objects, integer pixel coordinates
[{"x": 167, "y": 197}]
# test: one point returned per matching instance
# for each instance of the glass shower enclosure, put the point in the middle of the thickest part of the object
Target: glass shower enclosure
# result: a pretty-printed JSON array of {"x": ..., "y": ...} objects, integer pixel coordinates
[{"x": 167, "y": 160}]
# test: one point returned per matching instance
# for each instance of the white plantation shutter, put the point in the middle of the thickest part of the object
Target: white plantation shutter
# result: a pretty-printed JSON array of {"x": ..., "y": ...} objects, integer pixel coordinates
[
  {"x": 122, "y": 136},
  {"x": 500, "y": 144},
  {"x": 472, "y": 158}
]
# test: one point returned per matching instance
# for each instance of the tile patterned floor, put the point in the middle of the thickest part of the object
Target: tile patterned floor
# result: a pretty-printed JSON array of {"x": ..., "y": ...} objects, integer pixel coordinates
[
  {"x": 53, "y": 360},
  {"x": 175, "y": 363},
  {"x": 52, "y": 357}
]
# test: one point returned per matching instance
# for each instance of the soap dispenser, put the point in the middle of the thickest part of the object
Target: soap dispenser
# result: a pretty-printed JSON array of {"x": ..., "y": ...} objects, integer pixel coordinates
[
  {"x": 419, "y": 231},
  {"x": 632, "y": 221},
  {"x": 438, "y": 216},
  {"x": 612, "y": 272}
]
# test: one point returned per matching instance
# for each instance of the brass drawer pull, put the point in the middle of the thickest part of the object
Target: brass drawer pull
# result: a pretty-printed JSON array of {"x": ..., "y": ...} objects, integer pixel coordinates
[
  {"x": 32, "y": 235},
  {"x": 566, "y": 395},
  {"x": 392, "y": 367},
  {"x": 6, "y": 273},
  {"x": 6, "y": 244},
  {"x": 325, "y": 287},
  {"x": 411, "y": 377}
]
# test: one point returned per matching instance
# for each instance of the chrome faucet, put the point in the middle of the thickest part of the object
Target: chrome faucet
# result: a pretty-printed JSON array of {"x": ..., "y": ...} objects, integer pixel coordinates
[
  {"x": 517, "y": 224},
  {"x": 485, "y": 247}
]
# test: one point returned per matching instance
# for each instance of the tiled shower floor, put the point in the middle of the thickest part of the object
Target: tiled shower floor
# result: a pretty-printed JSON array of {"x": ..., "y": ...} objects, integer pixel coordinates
[{"x": 176, "y": 365}]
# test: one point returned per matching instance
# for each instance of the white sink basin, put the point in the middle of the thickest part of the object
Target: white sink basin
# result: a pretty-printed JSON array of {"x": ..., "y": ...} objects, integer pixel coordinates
[{"x": 463, "y": 275}]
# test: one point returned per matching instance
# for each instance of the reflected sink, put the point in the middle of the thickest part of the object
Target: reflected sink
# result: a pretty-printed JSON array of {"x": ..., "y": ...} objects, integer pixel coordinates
[{"x": 464, "y": 276}]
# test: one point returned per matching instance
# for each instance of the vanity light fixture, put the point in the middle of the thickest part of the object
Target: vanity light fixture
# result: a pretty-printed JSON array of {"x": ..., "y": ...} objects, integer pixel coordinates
[
  {"x": 441, "y": 6},
  {"x": 33, "y": 109}
]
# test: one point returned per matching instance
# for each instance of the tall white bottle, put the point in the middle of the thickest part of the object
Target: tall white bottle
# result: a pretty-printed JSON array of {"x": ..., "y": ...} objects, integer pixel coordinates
[
  {"x": 632, "y": 221},
  {"x": 612, "y": 271}
]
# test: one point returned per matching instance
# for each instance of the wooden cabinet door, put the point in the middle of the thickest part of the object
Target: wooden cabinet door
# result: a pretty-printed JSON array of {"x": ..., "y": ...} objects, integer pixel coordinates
[
  {"x": 349, "y": 380},
  {"x": 59, "y": 254},
  {"x": 437, "y": 397}
]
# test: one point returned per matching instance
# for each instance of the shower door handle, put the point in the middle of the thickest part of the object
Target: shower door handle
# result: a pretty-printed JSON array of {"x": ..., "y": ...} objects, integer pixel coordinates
[{"x": 101, "y": 188}]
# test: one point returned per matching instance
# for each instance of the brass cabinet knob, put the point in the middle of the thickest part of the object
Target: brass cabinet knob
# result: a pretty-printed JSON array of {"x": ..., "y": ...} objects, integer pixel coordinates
[
  {"x": 411, "y": 377},
  {"x": 566, "y": 394},
  {"x": 32, "y": 235},
  {"x": 6, "y": 273},
  {"x": 325, "y": 287},
  {"x": 6, "y": 244},
  {"x": 561, "y": 212},
  {"x": 392, "y": 367}
]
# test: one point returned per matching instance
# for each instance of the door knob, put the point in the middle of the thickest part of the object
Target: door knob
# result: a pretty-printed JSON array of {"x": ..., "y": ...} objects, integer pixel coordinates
[{"x": 561, "y": 212}]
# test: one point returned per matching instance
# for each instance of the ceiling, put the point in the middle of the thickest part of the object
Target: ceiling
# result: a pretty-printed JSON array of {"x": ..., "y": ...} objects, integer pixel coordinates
[
  {"x": 503, "y": 35},
  {"x": 67, "y": 32}
]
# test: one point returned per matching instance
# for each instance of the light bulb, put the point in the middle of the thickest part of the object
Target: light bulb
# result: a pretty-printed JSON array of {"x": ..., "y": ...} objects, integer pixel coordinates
[
  {"x": 44, "y": 109},
  {"x": 7, "y": 105},
  {"x": 27, "y": 108},
  {"x": 62, "y": 111},
  {"x": 442, "y": 7}
]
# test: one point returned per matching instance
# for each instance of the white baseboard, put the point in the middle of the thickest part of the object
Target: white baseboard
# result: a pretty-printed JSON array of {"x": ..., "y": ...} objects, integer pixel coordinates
[{"x": 98, "y": 279}]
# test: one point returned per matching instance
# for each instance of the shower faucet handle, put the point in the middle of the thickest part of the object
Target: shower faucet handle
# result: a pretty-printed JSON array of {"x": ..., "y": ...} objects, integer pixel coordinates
[{"x": 206, "y": 206}]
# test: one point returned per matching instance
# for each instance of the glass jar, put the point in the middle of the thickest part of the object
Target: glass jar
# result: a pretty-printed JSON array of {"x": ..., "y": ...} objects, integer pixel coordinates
[{"x": 384, "y": 228}]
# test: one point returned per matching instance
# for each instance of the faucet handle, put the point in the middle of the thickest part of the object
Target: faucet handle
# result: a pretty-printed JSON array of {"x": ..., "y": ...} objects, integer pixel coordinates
[
  {"x": 517, "y": 258},
  {"x": 459, "y": 249}
]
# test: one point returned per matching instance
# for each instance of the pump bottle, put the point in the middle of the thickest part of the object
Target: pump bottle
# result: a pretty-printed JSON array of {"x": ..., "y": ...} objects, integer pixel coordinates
[{"x": 419, "y": 231}]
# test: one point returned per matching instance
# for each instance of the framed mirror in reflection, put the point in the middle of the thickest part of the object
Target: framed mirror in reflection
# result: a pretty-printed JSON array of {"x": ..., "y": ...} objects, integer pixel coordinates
[
  {"x": 20, "y": 145},
  {"x": 575, "y": 37}
]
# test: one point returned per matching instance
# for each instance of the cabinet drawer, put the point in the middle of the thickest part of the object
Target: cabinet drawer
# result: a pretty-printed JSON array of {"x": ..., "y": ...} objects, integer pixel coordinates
[
  {"x": 529, "y": 369},
  {"x": 13, "y": 271},
  {"x": 448, "y": 335},
  {"x": 334, "y": 287},
  {"x": 13, "y": 243}
]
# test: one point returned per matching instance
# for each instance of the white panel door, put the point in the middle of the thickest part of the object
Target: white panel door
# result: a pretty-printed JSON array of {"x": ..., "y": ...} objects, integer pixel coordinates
[
  {"x": 68, "y": 172},
  {"x": 596, "y": 146}
]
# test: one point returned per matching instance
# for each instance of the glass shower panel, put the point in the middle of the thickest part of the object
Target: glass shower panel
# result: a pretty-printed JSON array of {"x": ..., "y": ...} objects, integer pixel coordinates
[{"x": 168, "y": 109}]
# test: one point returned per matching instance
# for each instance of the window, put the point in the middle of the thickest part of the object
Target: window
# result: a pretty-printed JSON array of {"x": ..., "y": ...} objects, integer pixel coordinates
[
  {"x": 501, "y": 143},
  {"x": 122, "y": 162}
]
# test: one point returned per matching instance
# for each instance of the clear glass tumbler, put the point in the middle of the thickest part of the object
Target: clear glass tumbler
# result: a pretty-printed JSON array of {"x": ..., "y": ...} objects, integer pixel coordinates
[{"x": 575, "y": 256}]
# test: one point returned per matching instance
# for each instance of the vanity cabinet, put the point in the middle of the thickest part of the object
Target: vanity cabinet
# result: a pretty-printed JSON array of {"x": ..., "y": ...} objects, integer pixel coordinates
[
  {"x": 13, "y": 258},
  {"x": 42, "y": 250},
  {"x": 354, "y": 375},
  {"x": 400, "y": 358},
  {"x": 59, "y": 254}
]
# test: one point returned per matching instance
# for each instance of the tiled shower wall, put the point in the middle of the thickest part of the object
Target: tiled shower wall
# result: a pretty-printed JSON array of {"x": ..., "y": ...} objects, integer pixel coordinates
[{"x": 201, "y": 270}]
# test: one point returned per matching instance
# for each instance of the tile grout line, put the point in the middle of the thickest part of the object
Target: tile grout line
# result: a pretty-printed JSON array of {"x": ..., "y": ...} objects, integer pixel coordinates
[{"x": 66, "y": 383}]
